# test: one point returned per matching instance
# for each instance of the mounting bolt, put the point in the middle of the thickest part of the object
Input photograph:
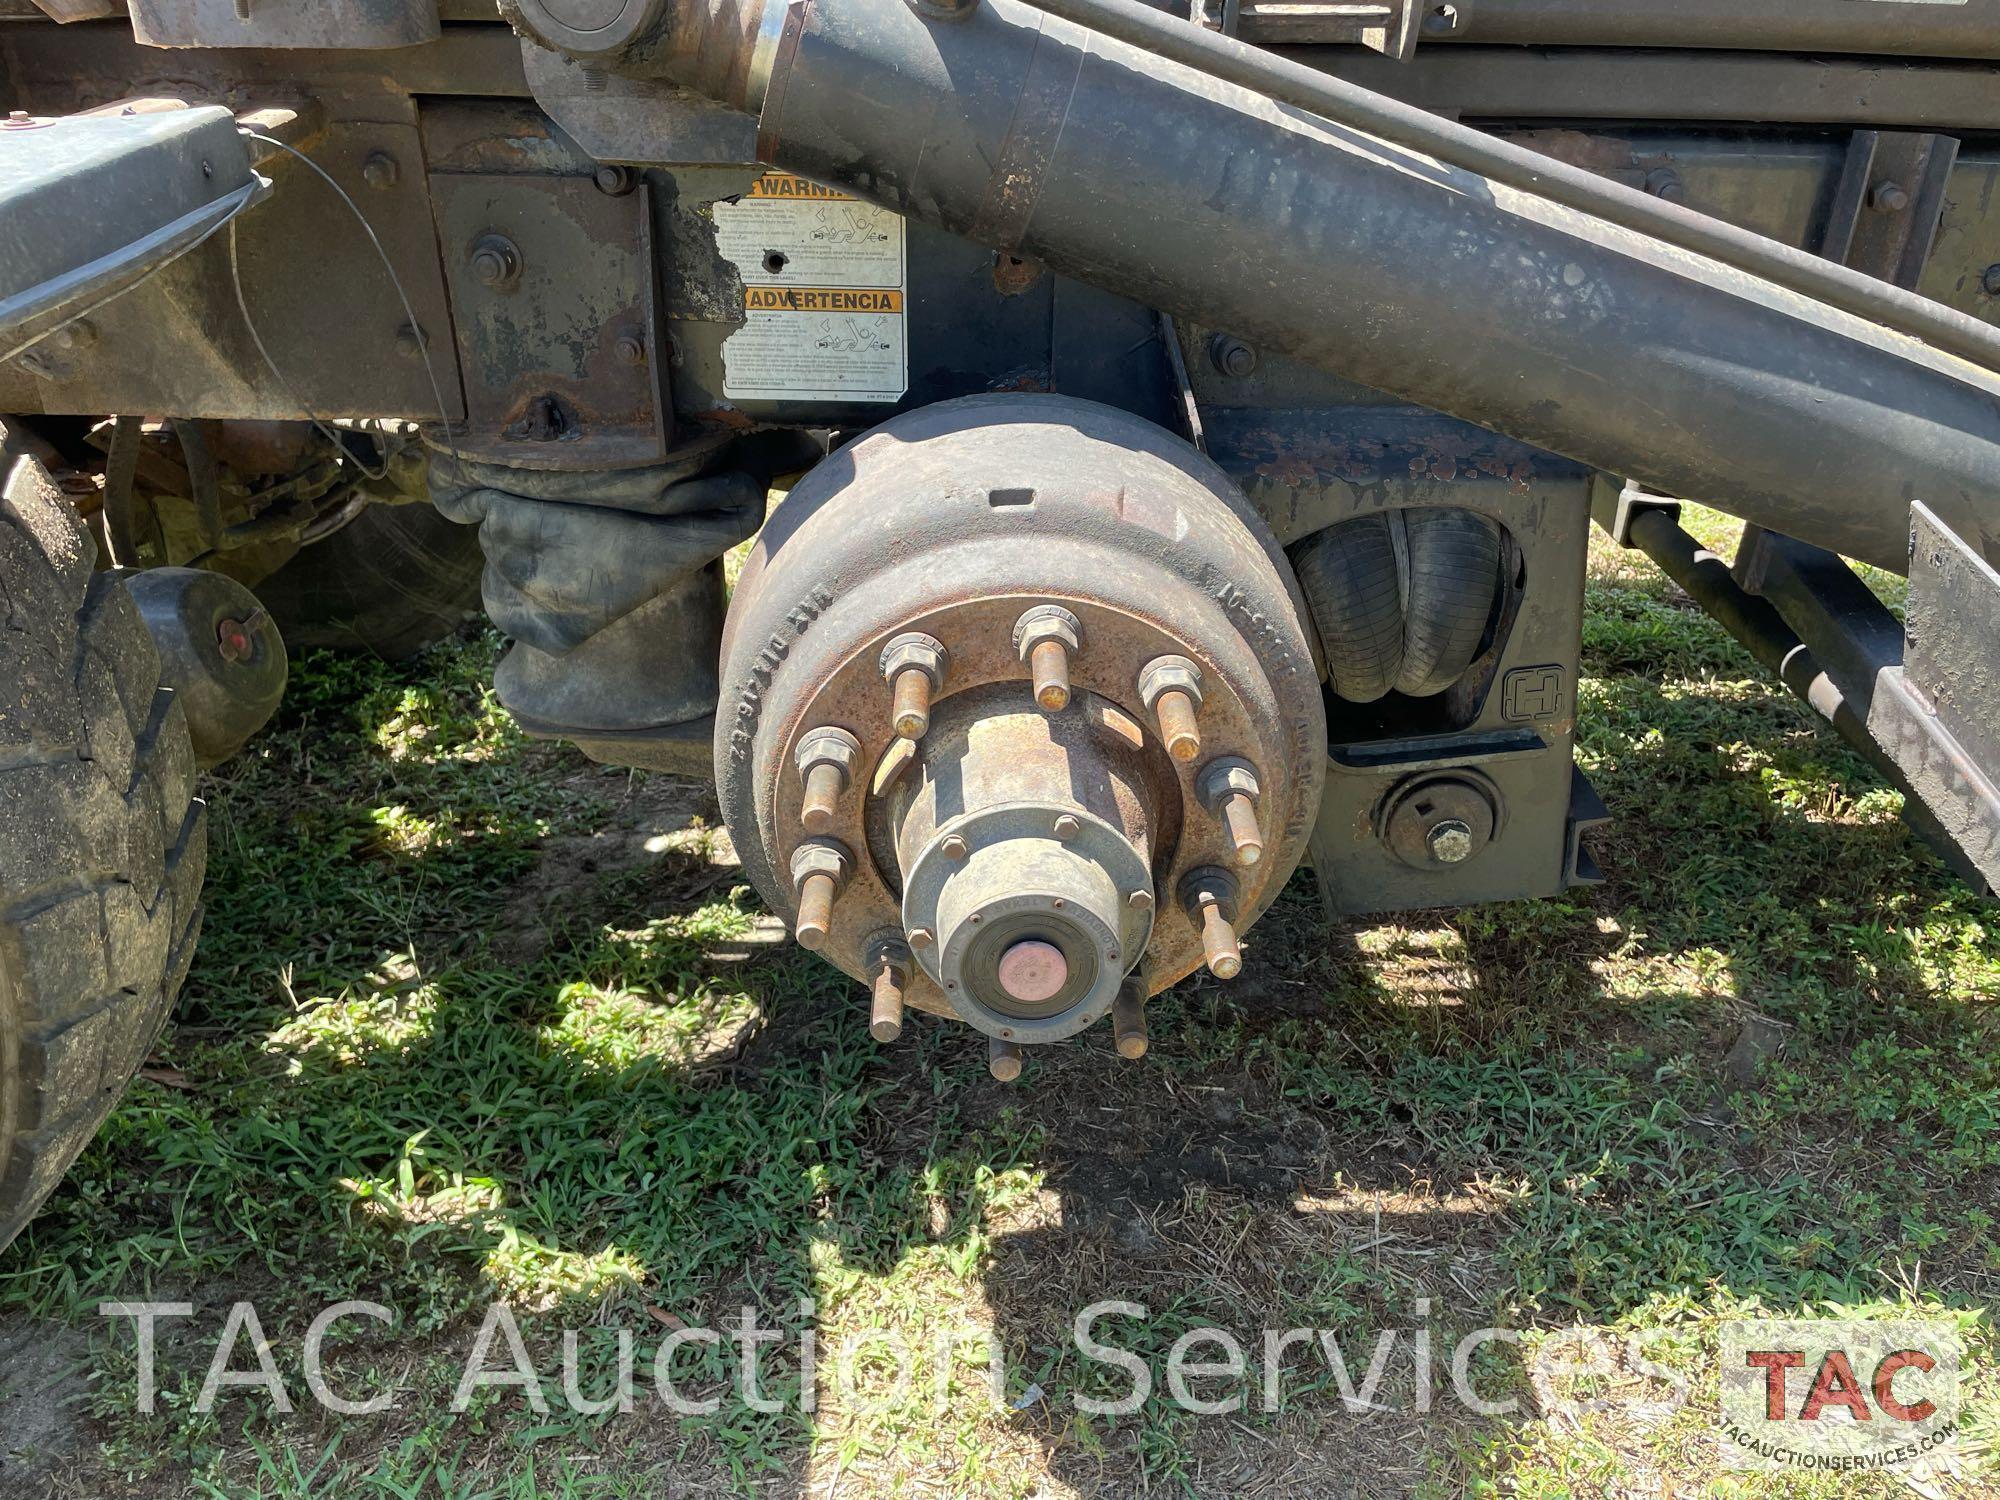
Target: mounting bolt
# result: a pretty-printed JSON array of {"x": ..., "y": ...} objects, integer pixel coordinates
[
  {"x": 1451, "y": 842},
  {"x": 953, "y": 846},
  {"x": 1989, "y": 283},
  {"x": 1888, "y": 197},
  {"x": 819, "y": 870},
  {"x": 913, "y": 664},
  {"x": 630, "y": 349},
  {"x": 495, "y": 261},
  {"x": 381, "y": 170},
  {"x": 1231, "y": 356},
  {"x": 1141, "y": 900},
  {"x": 1208, "y": 895},
  {"x": 615, "y": 181},
  {"x": 1228, "y": 788},
  {"x": 825, "y": 759},
  {"x": 1067, "y": 827},
  {"x": 410, "y": 341},
  {"x": 889, "y": 964},
  {"x": 1665, "y": 184},
  {"x": 1044, "y": 639},
  {"x": 1170, "y": 687},
  {"x": 921, "y": 938},
  {"x": 1003, "y": 1059},
  {"x": 1128, "y": 1018}
]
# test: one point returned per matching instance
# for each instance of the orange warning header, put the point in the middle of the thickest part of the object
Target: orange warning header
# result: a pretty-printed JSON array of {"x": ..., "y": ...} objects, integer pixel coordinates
[
  {"x": 821, "y": 299},
  {"x": 784, "y": 185}
]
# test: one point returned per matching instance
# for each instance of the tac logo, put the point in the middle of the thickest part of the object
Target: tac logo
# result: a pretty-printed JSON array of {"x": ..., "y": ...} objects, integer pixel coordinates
[{"x": 1833, "y": 1395}]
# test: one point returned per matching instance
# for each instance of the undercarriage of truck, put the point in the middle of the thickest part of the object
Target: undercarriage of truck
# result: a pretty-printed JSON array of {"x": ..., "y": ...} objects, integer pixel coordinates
[{"x": 1189, "y": 428}]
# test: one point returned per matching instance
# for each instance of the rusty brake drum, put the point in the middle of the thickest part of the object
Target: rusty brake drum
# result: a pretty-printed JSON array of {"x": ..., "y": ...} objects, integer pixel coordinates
[{"x": 1085, "y": 717}]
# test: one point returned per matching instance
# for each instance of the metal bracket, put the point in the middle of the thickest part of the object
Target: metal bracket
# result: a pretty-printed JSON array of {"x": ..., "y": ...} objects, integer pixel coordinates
[
  {"x": 1886, "y": 208},
  {"x": 1391, "y": 27}
]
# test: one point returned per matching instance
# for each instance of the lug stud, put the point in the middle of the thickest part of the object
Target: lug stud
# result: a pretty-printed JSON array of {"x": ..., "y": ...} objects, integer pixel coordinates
[
  {"x": 819, "y": 870},
  {"x": 1128, "y": 1018},
  {"x": 1003, "y": 1059},
  {"x": 1170, "y": 687},
  {"x": 826, "y": 759},
  {"x": 1209, "y": 897},
  {"x": 913, "y": 664},
  {"x": 1228, "y": 788},
  {"x": 1045, "y": 637},
  {"x": 889, "y": 961}
]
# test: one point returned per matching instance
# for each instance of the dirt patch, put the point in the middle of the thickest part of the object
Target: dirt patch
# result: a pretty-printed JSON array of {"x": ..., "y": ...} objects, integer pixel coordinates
[{"x": 44, "y": 1383}]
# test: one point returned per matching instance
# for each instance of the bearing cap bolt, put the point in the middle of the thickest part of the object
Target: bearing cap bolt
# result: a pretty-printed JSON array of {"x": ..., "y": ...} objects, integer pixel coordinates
[
  {"x": 889, "y": 961},
  {"x": 1003, "y": 1059},
  {"x": 1045, "y": 638},
  {"x": 1170, "y": 687},
  {"x": 1128, "y": 1018},
  {"x": 826, "y": 759},
  {"x": 819, "y": 870},
  {"x": 1209, "y": 897},
  {"x": 1228, "y": 788},
  {"x": 913, "y": 664}
]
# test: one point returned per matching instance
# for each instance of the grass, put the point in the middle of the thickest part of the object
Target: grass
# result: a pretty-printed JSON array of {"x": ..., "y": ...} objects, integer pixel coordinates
[{"x": 473, "y": 1018}]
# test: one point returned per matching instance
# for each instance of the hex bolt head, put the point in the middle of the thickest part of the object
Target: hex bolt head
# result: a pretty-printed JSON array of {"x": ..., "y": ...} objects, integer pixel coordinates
[
  {"x": 1450, "y": 842},
  {"x": 1888, "y": 197},
  {"x": 1170, "y": 687},
  {"x": 1003, "y": 1059},
  {"x": 410, "y": 341},
  {"x": 921, "y": 938},
  {"x": 381, "y": 171},
  {"x": 819, "y": 870},
  {"x": 889, "y": 966},
  {"x": 615, "y": 181},
  {"x": 630, "y": 349},
  {"x": 1128, "y": 1018},
  {"x": 1989, "y": 283},
  {"x": 1231, "y": 356},
  {"x": 954, "y": 846},
  {"x": 1208, "y": 895},
  {"x": 1228, "y": 788},
  {"x": 826, "y": 758},
  {"x": 1067, "y": 827},
  {"x": 1665, "y": 184},
  {"x": 1045, "y": 637},
  {"x": 495, "y": 261},
  {"x": 913, "y": 664},
  {"x": 1140, "y": 901}
]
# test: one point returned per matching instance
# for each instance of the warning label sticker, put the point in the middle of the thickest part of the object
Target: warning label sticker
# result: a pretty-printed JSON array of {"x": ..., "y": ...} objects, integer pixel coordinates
[{"x": 824, "y": 282}]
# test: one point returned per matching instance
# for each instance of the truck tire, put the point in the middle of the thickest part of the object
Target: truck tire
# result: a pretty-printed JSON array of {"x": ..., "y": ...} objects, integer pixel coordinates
[
  {"x": 395, "y": 579},
  {"x": 102, "y": 842}
]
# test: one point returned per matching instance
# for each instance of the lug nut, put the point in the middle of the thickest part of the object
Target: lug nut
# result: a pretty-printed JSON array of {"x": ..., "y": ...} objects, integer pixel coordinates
[
  {"x": 819, "y": 870},
  {"x": 1044, "y": 638},
  {"x": 1128, "y": 1018},
  {"x": 914, "y": 666},
  {"x": 825, "y": 758},
  {"x": 1170, "y": 687},
  {"x": 889, "y": 959},
  {"x": 1209, "y": 896},
  {"x": 1003, "y": 1060},
  {"x": 1228, "y": 788}
]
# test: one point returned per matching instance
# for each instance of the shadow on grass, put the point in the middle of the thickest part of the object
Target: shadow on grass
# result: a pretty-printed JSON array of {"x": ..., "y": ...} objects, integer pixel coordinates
[{"x": 449, "y": 1038}]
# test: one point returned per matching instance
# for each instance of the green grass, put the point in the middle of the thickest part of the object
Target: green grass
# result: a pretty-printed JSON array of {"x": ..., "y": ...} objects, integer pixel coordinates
[{"x": 446, "y": 1039}]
